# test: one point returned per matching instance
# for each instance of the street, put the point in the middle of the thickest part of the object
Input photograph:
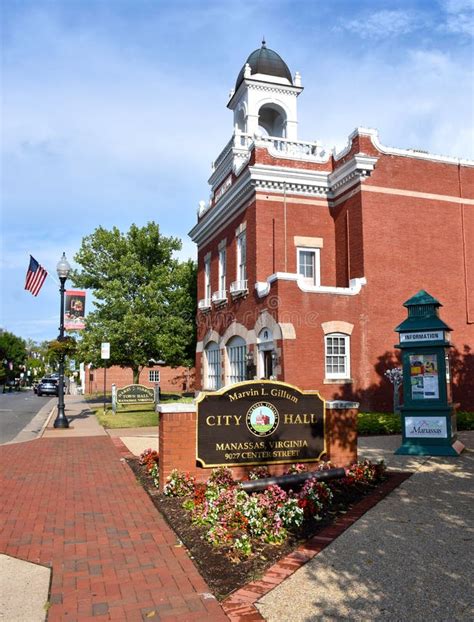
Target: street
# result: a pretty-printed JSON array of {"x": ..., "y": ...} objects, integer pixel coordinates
[{"x": 17, "y": 409}]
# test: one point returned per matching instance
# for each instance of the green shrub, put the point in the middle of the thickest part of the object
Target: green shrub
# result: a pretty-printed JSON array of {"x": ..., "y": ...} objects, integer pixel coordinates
[
  {"x": 378, "y": 423},
  {"x": 465, "y": 420}
]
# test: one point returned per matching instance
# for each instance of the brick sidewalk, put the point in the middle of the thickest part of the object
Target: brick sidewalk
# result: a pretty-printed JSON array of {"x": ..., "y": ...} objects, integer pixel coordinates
[{"x": 73, "y": 505}]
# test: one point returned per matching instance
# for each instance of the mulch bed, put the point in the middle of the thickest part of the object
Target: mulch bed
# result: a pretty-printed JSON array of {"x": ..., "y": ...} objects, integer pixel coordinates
[{"x": 221, "y": 574}]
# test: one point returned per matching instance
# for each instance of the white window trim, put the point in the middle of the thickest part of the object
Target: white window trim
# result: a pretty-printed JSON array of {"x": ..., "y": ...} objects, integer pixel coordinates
[
  {"x": 317, "y": 265},
  {"x": 152, "y": 374},
  {"x": 236, "y": 369},
  {"x": 207, "y": 278},
  {"x": 240, "y": 229},
  {"x": 347, "y": 347},
  {"x": 222, "y": 269},
  {"x": 241, "y": 265},
  {"x": 213, "y": 380}
]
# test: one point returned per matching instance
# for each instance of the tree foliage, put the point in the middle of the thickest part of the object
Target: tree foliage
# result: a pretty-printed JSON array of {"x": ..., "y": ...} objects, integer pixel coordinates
[
  {"x": 12, "y": 354},
  {"x": 66, "y": 347},
  {"x": 144, "y": 298}
]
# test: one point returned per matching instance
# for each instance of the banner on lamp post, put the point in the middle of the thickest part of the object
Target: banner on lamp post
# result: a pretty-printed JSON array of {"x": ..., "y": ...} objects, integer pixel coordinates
[
  {"x": 74, "y": 310},
  {"x": 105, "y": 350}
]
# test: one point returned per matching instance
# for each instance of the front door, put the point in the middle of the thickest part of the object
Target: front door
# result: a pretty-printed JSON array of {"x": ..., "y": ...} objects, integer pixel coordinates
[{"x": 267, "y": 364}]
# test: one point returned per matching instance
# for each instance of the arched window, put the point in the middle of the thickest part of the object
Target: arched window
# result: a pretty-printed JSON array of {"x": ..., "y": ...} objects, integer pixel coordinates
[
  {"x": 237, "y": 360},
  {"x": 272, "y": 120},
  {"x": 337, "y": 356},
  {"x": 240, "y": 120},
  {"x": 213, "y": 359},
  {"x": 266, "y": 347}
]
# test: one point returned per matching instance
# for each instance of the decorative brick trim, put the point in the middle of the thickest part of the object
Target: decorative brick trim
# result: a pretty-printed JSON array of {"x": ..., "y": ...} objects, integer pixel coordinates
[
  {"x": 307, "y": 242},
  {"x": 240, "y": 605},
  {"x": 337, "y": 326}
]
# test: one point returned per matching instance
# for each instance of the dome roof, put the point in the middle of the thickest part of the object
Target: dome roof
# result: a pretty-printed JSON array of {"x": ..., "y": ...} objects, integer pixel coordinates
[{"x": 265, "y": 61}]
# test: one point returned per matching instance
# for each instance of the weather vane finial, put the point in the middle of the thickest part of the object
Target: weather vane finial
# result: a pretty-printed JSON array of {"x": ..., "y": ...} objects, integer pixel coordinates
[{"x": 264, "y": 43}]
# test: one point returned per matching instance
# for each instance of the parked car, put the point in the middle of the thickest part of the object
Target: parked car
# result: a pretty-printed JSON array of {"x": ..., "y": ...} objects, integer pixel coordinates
[
  {"x": 10, "y": 385},
  {"x": 48, "y": 386}
]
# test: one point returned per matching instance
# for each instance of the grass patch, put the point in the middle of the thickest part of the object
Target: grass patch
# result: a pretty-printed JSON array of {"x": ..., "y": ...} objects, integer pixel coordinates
[
  {"x": 128, "y": 418},
  {"x": 369, "y": 424},
  {"x": 136, "y": 415}
]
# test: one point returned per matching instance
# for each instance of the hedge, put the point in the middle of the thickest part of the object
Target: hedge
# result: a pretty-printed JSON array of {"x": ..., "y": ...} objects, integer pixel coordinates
[{"x": 388, "y": 423}]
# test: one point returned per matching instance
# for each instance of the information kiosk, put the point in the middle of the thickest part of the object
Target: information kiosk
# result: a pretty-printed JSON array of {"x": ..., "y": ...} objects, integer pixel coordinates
[{"x": 428, "y": 415}]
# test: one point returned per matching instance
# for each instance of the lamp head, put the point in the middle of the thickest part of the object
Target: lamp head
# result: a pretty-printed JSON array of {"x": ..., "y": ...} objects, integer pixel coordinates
[{"x": 63, "y": 268}]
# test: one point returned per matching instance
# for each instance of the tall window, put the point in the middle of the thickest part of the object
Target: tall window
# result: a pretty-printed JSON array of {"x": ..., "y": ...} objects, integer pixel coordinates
[
  {"x": 154, "y": 375},
  {"x": 237, "y": 357},
  {"x": 242, "y": 257},
  {"x": 213, "y": 357},
  {"x": 308, "y": 265},
  {"x": 207, "y": 278},
  {"x": 222, "y": 269},
  {"x": 337, "y": 350}
]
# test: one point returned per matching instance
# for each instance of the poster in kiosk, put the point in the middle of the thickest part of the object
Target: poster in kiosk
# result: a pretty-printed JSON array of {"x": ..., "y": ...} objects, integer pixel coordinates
[{"x": 428, "y": 415}]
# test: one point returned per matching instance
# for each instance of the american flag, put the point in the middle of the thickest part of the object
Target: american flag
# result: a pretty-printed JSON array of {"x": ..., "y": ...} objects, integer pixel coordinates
[{"x": 35, "y": 277}]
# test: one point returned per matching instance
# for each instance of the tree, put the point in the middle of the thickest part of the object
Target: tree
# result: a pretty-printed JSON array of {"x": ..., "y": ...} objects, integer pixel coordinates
[
  {"x": 67, "y": 347},
  {"x": 145, "y": 299},
  {"x": 12, "y": 355}
]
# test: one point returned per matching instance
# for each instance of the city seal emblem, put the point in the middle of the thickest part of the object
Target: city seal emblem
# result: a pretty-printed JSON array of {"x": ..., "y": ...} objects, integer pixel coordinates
[{"x": 262, "y": 419}]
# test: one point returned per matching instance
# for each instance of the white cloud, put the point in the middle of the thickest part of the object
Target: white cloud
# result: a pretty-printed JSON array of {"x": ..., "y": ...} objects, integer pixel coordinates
[
  {"x": 113, "y": 115},
  {"x": 422, "y": 99},
  {"x": 383, "y": 24},
  {"x": 460, "y": 17}
]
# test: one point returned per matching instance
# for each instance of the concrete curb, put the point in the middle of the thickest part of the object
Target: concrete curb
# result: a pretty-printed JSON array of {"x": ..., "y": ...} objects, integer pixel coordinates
[{"x": 35, "y": 429}]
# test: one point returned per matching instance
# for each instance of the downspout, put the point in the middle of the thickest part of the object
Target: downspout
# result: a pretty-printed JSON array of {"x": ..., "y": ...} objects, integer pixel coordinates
[
  {"x": 284, "y": 226},
  {"x": 463, "y": 232},
  {"x": 348, "y": 248}
]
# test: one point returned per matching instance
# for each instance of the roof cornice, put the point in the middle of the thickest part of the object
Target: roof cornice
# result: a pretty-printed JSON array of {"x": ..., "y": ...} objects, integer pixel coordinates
[
  {"x": 274, "y": 87},
  {"x": 406, "y": 153},
  {"x": 280, "y": 180}
]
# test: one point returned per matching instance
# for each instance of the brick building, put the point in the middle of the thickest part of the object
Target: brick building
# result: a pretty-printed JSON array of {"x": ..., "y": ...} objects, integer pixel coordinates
[
  {"x": 305, "y": 257},
  {"x": 170, "y": 379}
]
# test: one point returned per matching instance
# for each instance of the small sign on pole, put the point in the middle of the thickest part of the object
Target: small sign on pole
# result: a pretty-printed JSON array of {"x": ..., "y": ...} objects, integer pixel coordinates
[
  {"x": 114, "y": 398},
  {"x": 105, "y": 355}
]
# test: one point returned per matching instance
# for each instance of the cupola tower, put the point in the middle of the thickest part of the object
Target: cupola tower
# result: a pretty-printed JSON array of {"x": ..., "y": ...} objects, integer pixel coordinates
[{"x": 264, "y": 98}]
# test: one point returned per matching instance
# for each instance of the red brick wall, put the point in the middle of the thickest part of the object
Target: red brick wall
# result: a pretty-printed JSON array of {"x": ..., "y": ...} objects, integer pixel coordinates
[
  {"x": 400, "y": 243},
  {"x": 171, "y": 378},
  {"x": 177, "y": 444}
]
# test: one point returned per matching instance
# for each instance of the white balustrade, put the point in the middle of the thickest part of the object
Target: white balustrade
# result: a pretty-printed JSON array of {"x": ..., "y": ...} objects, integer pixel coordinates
[
  {"x": 239, "y": 288},
  {"x": 204, "y": 304},
  {"x": 219, "y": 297}
]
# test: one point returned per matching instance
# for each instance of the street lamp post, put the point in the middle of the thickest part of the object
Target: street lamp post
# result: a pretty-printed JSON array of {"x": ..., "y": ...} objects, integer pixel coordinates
[{"x": 63, "y": 268}]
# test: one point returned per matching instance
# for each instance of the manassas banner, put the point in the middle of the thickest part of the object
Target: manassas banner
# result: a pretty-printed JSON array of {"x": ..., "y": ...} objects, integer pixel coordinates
[
  {"x": 74, "y": 310},
  {"x": 259, "y": 422}
]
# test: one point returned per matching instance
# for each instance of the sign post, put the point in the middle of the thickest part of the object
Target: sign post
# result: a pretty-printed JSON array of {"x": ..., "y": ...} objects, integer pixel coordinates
[
  {"x": 105, "y": 355},
  {"x": 114, "y": 398},
  {"x": 428, "y": 415}
]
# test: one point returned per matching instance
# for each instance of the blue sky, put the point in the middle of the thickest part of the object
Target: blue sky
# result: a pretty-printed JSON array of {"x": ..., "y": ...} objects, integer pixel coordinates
[{"x": 113, "y": 110}]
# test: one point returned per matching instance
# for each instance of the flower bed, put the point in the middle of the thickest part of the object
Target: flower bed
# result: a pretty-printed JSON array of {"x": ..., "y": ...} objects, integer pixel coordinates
[{"x": 239, "y": 525}]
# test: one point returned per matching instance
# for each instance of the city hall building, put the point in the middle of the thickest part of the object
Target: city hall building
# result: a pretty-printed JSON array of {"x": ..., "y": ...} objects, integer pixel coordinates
[{"x": 306, "y": 257}]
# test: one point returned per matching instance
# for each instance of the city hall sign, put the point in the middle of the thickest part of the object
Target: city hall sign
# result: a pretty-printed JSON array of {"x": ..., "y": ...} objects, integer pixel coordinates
[{"x": 260, "y": 422}]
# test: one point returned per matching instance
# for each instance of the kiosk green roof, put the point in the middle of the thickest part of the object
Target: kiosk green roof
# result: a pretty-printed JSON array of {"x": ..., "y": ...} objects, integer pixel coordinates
[{"x": 422, "y": 314}]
